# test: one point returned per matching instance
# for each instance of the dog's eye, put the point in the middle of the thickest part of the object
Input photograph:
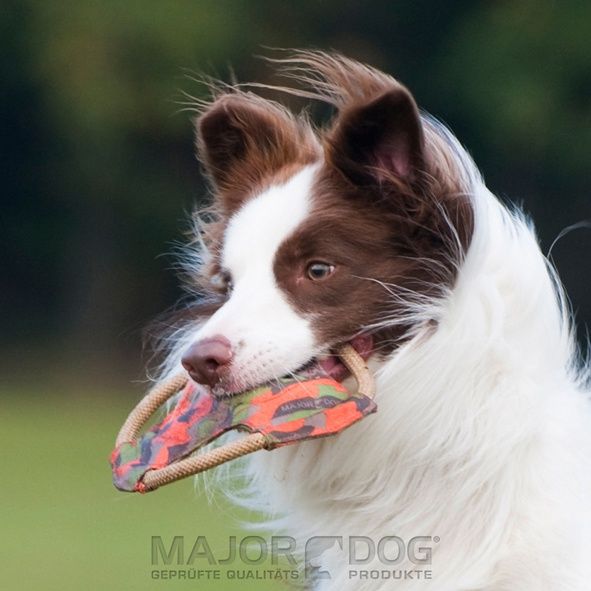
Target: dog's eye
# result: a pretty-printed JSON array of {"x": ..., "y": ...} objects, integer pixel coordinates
[
  {"x": 318, "y": 270},
  {"x": 222, "y": 282}
]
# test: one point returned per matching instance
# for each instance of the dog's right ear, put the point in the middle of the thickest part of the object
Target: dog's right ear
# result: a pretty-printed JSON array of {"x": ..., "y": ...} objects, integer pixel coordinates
[{"x": 244, "y": 140}]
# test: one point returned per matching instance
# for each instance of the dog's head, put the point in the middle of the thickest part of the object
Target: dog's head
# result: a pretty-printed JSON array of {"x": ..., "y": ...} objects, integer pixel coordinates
[{"x": 323, "y": 237}]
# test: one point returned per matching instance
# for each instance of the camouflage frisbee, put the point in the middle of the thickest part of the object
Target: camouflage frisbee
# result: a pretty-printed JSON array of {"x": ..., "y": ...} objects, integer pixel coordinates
[{"x": 279, "y": 415}]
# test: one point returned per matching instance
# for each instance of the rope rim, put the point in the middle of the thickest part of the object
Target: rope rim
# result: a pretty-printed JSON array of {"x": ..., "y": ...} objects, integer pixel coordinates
[{"x": 201, "y": 462}]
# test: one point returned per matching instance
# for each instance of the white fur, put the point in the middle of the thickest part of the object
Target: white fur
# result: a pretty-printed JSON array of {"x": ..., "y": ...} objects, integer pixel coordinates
[
  {"x": 251, "y": 240},
  {"x": 483, "y": 430}
]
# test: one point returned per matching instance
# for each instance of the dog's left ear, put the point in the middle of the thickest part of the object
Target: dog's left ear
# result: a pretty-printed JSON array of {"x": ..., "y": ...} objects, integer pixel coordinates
[{"x": 378, "y": 141}]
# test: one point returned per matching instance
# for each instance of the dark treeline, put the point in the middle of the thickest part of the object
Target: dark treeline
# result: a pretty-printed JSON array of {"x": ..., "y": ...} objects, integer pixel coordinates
[{"x": 97, "y": 154}]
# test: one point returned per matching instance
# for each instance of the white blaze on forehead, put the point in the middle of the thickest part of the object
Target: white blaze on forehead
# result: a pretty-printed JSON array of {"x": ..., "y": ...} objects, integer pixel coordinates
[
  {"x": 268, "y": 336},
  {"x": 257, "y": 230}
]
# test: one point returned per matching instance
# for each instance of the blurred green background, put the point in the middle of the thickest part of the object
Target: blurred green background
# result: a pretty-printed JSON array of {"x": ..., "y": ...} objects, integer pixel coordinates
[{"x": 98, "y": 173}]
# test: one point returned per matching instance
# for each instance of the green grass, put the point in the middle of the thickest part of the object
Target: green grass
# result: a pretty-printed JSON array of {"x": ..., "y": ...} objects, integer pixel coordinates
[{"x": 63, "y": 525}]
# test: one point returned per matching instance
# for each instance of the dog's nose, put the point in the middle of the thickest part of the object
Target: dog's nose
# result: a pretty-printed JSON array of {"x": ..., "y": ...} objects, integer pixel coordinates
[{"x": 205, "y": 360}]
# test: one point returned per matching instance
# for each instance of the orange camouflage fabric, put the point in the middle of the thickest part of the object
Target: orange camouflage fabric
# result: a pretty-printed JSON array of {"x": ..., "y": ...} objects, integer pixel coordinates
[{"x": 284, "y": 413}]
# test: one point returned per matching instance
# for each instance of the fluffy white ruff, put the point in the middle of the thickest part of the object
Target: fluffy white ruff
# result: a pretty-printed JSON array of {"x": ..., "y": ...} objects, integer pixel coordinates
[{"x": 482, "y": 437}]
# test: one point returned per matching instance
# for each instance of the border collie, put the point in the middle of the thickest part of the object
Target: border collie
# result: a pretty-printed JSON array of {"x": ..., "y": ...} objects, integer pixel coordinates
[{"x": 378, "y": 230}]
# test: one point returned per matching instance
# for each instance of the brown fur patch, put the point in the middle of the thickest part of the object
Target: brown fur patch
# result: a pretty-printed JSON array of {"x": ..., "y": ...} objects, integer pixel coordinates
[{"x": 385, "y": 262}]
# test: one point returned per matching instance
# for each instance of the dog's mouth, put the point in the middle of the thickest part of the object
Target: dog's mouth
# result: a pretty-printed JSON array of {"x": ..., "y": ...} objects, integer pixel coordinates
[
  {"x": 325, "y": 365},
  {"x": 329, "y": 365}
]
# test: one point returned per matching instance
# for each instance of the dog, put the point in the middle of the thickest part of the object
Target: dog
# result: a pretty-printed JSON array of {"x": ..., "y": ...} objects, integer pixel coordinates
[{"x": 378, "y": 230}]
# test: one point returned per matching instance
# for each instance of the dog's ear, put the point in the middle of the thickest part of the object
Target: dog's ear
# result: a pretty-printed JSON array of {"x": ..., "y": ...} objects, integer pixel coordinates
[
  {"x": 243, "y": 140},
  {"x": 380, "y": 140}
]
